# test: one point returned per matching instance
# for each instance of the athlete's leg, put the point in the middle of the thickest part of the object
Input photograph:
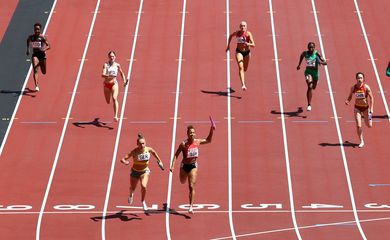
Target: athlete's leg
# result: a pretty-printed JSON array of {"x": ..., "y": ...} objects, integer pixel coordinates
[
  {"x": 367, "y": 119},
  {"x": 144, "y": 183},
  {"x": 133, "y": 185},
  {"x": 191, "y": 185},
  {"x": 359, "y": 129},
  {"x": 35, "y": 64},
  {"x": 246, "y": 62},
  {"x": 107, "y": 94},
  {"x": 309, "y": 92},
  {"x": 42, "y": 64},
  {"x": 183, "y": 176},
  {"x": 241, "y": 71},
  {"x": 115, "y": 91}
]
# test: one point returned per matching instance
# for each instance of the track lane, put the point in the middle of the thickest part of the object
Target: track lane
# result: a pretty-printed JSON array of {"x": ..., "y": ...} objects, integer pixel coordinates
[
  {"x": 35, "y": 109},
  {"x": 363, "y": 172},
  {"x": 202, "y": 87},
  {"x": 257, "y": 153},
  {"x": 83, "y": 165},
  {"x": 149, "y": 110},
  {"x": 6, "y": 11},
  {"x": 317, "y": 169}
]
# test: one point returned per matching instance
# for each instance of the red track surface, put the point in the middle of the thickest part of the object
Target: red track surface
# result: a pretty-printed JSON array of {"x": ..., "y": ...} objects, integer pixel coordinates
[
  {"x": 260, "y": 163},
  {"x": 6, "y": 11}
]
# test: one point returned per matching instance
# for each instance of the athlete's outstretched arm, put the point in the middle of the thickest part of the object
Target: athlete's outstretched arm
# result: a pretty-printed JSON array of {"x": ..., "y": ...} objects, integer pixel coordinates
[
  {"x": 300, "y": 61},
  {"x": 371, "y": 99},
  {"x": 349, "y": 96},
  {"x": 177, "y": 153},
  {"x": 229, "y": 40},
  {"x": 322, "y": 60},
  {"x": 209, "y": 137}
]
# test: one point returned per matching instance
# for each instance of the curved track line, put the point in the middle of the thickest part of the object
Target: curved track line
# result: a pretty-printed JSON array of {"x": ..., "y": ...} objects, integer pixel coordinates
[
  {"x": 65, "y": 124},
  {"x": 24, "y": 86},
  {"x": 120, "y": 122},
  {"x": 337, "y": 125},
  {"x": 286, "y": 153},
  {"x": 167, "y": 228},
  {"x": 372, "y": 59},
  {"x": 229, "y": 118}
]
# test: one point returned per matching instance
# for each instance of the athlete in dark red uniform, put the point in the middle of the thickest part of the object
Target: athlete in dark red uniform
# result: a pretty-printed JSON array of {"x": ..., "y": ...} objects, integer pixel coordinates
[
  {"x": 40, "y": 45},
  {"x": 189, "y": 165},
  {"x": 363, "y": 107},
  {"x": 244, "y": 40}
]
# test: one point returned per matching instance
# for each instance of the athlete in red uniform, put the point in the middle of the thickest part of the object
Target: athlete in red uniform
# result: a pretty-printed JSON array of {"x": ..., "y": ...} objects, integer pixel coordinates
[
  {"x": 110, "y": 84},
  {"x": 39, "y": 45},
  {"x": 363, "y": 107},
  {"x": 244, "y": 41},
  {"x": 189, "y": 165}
]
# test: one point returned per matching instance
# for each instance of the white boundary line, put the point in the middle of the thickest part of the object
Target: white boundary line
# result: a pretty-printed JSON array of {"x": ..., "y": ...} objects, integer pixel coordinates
[
  {"x": 372, "y": 59},
  {"x": 346, "y": 169},
  {"x": 229, "y": 119},
  {"x": 285, "y": 143},
  {"x": 53, "y": 169},
  {"x": 173, "y": 145},
  {"x": 24, "y": 86},
  {"x": 114, "y": 157}
]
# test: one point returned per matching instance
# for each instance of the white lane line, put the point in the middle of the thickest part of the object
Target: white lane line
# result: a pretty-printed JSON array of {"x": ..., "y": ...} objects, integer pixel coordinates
[
  {"x": 229, "y": 119},
  {"x": 346, "y": 169},
  {"x": 114, "y": 157},
  {"x": 175, "y": 118},
  {"x": 53, "y": 169},
  {"x": 372, "y": 59},
  {"x": 24, "y": 86},
  {"x": 285, "y": 143}
]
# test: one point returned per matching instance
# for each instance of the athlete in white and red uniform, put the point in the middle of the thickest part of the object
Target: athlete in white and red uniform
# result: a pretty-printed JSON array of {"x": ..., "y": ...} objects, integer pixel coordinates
[
  {"x": 244, "y": 41},
  {"x": 40, "y": 45},
  {"x": 363, "y": 107},
  {"x": 189, "y": 165}
]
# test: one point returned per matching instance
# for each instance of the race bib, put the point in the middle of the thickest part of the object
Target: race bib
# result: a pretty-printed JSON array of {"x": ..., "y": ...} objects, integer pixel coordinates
[
  {"x": 192, "y": 152},
  {"x": 311, "y": 62},
  {"x": 36, "y": 44},
  {"x": 144, "y": 156},
  {"x": 360, "y": 95},
  {"x": 241, "y": 40}
]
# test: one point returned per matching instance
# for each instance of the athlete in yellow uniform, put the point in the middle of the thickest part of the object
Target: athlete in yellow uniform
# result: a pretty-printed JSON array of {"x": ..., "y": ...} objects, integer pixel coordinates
[{"x": 140, "y": 169}]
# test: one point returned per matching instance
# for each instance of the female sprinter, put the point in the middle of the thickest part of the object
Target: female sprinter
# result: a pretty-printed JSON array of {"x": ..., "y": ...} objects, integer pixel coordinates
[
  {"x": 140, "y": 170},
  {"x": 313, "y": 58},
  {"x": 110, "y": 84},
  {"x": 39, "y": 46},
  {"x": 244, "y": 40},
  {"x": 363, "y": 107},
  {"x": 189, "y": 165}
]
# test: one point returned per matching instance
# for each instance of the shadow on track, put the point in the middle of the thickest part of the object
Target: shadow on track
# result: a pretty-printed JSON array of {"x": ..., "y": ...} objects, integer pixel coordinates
[
  {"x": 290, "y": 114},
  {"x": 95, "y": 123},
  {"x": 26, "y": 92},
  {"x": 223, "y": 94},
  {"x": 119, "y": 215},
  {"x": 345, "y": 144}
]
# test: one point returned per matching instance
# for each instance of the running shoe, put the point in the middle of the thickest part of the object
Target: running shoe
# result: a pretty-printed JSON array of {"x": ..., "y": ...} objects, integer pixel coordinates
[
  {"x": 361, "y": 144},
  {"x": 244, "y": 88},
  {"x": 36, "y": 89},
  {"x": 308, "y": 108},
  {"x": 191, "y": 210},
  {"x": 144, "y": 206}
]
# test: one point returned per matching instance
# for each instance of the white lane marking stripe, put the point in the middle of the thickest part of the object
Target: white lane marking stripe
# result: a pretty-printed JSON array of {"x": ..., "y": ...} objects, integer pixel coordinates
[
  {"x": 229, "y": 114},
  {"x": 107, "y": 198},
  {"x": 173, "y": 145},
  {"x": 285, "y": 143},
  {"x": 53, "y": 169},
  {"x": 337, "y": 125}
]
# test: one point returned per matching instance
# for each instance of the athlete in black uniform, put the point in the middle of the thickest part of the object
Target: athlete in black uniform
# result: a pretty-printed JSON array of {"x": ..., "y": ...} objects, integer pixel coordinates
[{"x": 39, "y": 45}]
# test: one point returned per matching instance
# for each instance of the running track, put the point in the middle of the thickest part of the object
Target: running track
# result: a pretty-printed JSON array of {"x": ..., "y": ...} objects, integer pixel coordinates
[{"x": 273, "y": 171}]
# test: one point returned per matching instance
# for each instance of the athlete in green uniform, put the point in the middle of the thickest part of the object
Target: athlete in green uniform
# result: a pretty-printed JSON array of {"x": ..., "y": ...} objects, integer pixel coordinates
[
  {"x": 313, "y": 59},
  {"x": 388, "y": 70}
]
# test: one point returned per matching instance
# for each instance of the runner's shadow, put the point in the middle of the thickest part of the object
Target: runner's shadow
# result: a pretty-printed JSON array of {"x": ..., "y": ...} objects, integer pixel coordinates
[
  {"x": 223, "y": 94},
  {"x": 381, "y": 116},
  {"x": 119, "y": 215},
  {"x": 26, "y": 92},
  {"x": 345, "y": 144},
  {"x": 95, "y": 123},
  {"x": 291, "y": 114},
  {"x": 164, "y": 210}
]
